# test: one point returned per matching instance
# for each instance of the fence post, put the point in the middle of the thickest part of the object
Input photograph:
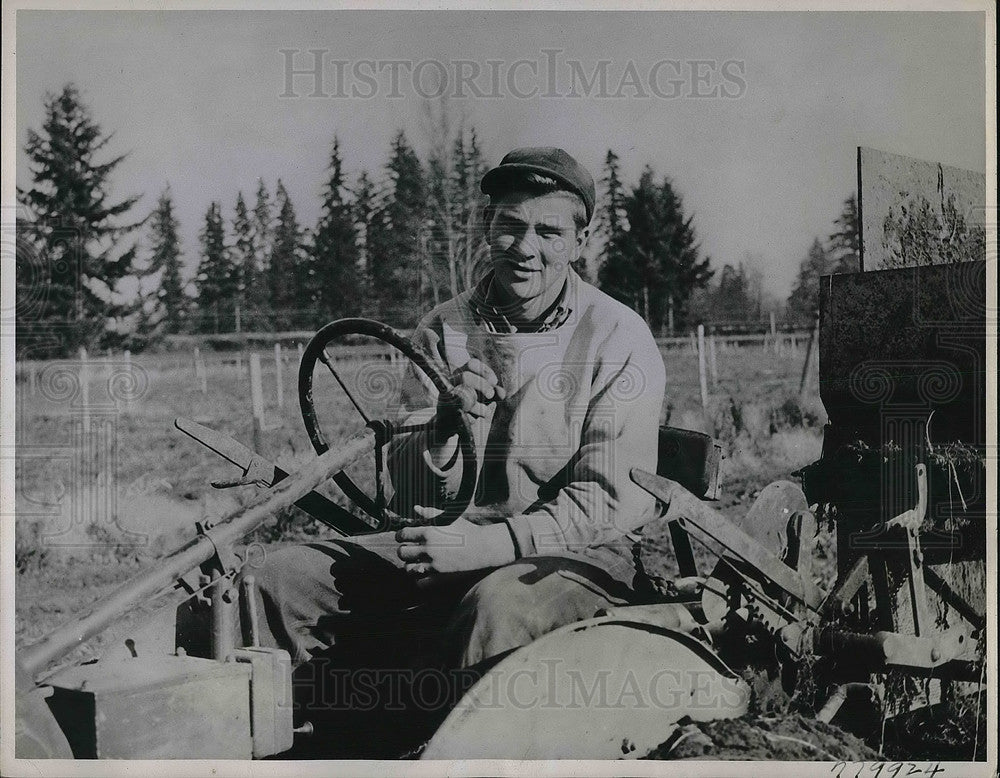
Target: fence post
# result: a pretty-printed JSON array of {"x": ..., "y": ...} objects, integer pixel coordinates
[
  {"x": 712, "y": 361},
  {"x": 127, "y": 359},
  {"x": 774, "y": 335},
  {"x": 256, "y": 399},
  {"x": 813, "y": 342},
  {"x": 84, "y": 377},
  {"x": 200, "y": 373},
  {"x": 701, "y": 367},
  {"x": 277, "y": 374}
]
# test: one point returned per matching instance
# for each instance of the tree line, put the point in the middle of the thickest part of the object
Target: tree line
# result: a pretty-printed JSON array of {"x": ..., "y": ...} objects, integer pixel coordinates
[{"x": 387, "y": 246}]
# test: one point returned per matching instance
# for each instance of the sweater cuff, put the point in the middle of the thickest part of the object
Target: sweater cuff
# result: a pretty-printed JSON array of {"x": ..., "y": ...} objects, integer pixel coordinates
[{"x": 526, "y": 527}]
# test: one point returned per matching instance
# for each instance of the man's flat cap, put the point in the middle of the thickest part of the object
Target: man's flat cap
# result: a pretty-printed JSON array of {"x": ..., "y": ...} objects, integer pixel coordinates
[{"x": 547, "y": 161}]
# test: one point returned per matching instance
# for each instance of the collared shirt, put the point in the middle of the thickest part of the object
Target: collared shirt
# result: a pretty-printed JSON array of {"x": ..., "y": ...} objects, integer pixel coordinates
[{"x": 493, "y": 319}]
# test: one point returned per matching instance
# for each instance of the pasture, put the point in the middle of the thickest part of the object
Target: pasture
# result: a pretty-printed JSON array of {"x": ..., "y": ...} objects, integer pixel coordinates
[{"x": 102, "y": 491}]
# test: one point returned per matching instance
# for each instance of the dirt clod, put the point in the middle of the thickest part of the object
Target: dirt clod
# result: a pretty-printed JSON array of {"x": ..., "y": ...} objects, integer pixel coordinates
[{"x": 787, "y": 738}]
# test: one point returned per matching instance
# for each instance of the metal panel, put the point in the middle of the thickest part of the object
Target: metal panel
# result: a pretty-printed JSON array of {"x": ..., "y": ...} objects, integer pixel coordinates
[
  {"x": 155, "y": 707},
  {"x": 270, "y": 699}
]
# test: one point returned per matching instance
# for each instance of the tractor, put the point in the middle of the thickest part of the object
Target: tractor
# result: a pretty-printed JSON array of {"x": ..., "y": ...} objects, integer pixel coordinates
[{"x": 907, "y": 609}]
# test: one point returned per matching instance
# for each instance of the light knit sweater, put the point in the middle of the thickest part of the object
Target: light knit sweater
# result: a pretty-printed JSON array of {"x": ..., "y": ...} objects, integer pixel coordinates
[{"x": 582, "y": 408}]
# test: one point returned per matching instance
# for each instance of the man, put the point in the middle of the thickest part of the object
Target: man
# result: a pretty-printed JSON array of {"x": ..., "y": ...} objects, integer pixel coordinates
[{"x": 568, "y": 386}]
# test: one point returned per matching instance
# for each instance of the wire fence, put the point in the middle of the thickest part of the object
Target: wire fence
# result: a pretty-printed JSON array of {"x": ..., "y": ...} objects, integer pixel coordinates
[{"x": 127, "y": 380}]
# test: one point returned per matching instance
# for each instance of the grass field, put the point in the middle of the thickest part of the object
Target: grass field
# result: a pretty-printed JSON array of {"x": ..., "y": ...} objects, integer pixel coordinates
[{"x": 91, "y": 507}]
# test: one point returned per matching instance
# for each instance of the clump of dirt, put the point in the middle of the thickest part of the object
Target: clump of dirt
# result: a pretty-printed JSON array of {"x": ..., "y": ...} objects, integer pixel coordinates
[
  {"x": 787, "y": 738},
  {"x": 954, "y": 730}
]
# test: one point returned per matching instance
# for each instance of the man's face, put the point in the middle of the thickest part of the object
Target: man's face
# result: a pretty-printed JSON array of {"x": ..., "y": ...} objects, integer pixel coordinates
[{"x": 533, "y": 240}]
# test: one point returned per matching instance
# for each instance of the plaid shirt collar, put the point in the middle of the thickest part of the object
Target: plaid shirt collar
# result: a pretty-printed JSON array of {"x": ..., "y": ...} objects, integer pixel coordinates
[{"x": 493, "y": 318}]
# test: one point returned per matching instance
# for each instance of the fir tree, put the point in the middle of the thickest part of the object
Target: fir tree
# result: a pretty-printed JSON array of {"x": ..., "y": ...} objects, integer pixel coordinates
[
  {"x": 645, "y": 244},
  {"x": 170, "y": 307},
  {"x": 71, "y": 254},
  {"x": 662, "y": 264},
  {"x": 803, "y": 303},
  {"x": 616, "y": 275},
  {"x": 681, "y": 269},
  {"x": 257, "y": 297},
  {"x": 474, "y": 256},
  {"x": 216, "y": 280},
  {"x": 731, "y": 299},
  {"x": 363, "y": 212},
  {"x": 289, "y": 272},
  {"x": 845, "y": 241},
  {"x": 248, "y": 276},
  {"x": 394, "y": 253},
  {"x": 456, "y": 238},
  {"x": 438, "y": 239},
  {"x": 335, "y": 248}
]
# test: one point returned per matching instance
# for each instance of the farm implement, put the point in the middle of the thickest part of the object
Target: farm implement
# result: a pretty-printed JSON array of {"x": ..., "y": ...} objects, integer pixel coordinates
[{"x": 902, "y": 627}]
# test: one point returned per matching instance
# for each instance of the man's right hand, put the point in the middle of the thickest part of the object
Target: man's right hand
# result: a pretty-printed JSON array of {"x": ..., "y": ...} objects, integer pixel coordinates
[
  {"x": 476, "y": 385},
  {"x": 477, "y": 376}
]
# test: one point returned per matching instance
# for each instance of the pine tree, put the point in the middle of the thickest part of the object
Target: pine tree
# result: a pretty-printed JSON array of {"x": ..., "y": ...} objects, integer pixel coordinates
[
  {"x": 257, "y": 311},
  {"x": 396, "y": 262},
  {"x": 803, "y": 303},
  {"x": 645, "y": 243},
  {"x": 616, "y": 274},
  {"x": 731, "y": 298},
  {"x": 363, "y": 212},
  {"x": 474, "y": 254},
  {"x": 439, "y": 238},
  {"x": 248, "y": 276},
  {"x": 289, "y": 271},
  {"x": 845, "y": 241},
  {"x": 456, "y": 237},
  {"x": 216, "y": 280},
  {"x": 71, "y": 254},
  {"x": 170, "y": 308},
  {"x": 335, "y": 248},
  {"x": 662, "y": 264},
  {"x": 681, "y": 269},
  {"x": 262, "y": 224}
]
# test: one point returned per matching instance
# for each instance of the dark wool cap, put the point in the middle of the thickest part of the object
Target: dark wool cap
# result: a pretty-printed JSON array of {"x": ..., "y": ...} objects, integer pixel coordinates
[{"x": 547, "y": 161}]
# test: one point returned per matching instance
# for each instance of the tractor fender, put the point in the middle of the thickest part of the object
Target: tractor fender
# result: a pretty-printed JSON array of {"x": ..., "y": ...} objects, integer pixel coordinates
[{"x": 605, "y": 688}]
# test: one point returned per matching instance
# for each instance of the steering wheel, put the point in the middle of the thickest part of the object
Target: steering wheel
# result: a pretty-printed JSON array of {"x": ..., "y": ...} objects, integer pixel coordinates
[{"x": 316, "y": 351}]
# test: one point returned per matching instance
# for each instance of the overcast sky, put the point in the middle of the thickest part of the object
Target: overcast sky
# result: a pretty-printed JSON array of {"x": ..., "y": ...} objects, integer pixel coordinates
[{"x": 763, "y": 162}]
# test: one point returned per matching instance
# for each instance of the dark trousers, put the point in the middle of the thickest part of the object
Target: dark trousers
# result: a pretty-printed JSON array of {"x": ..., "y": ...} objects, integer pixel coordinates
[{"x": 372, "y": 644}]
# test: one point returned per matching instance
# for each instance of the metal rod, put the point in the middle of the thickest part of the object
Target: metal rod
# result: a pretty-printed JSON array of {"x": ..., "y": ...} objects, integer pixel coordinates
[
  {"x": 250, "y": 618},
  {"x": 223, "y": 617},
  {"x": 194, "y": 552},
  {"x": 328, "y": 361}
]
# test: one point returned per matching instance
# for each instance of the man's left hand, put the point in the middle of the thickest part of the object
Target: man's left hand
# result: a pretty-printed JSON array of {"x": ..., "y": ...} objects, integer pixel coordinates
[{"x": 459, "y": 547}]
